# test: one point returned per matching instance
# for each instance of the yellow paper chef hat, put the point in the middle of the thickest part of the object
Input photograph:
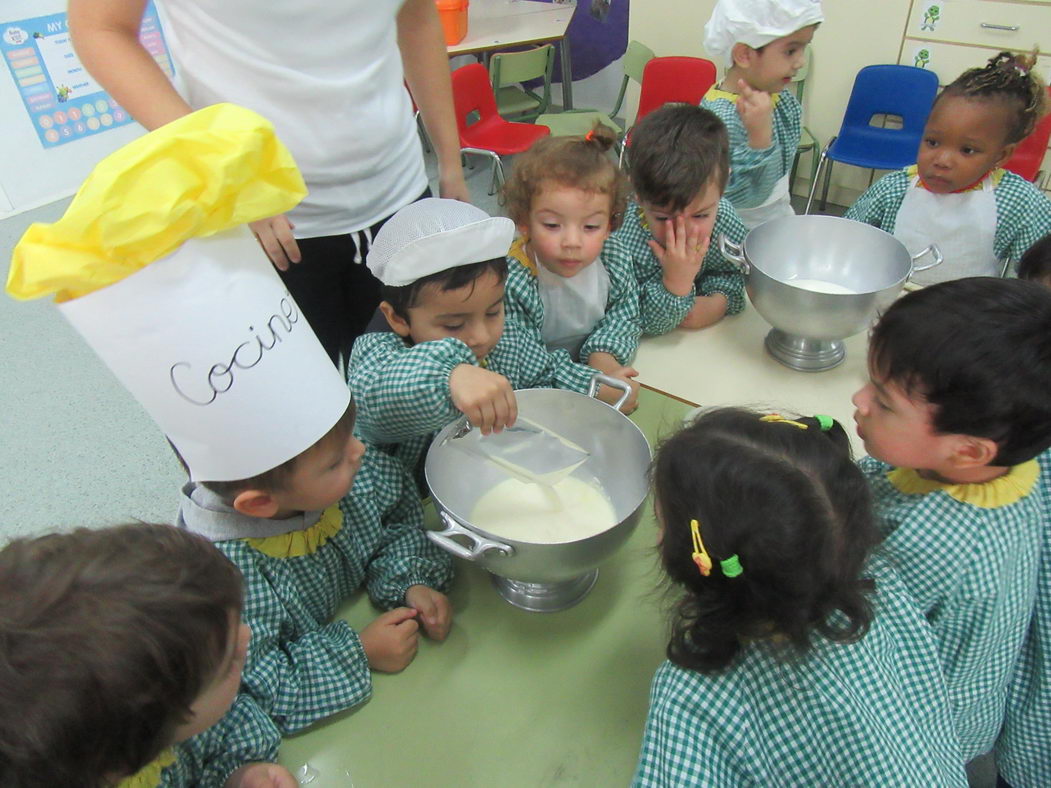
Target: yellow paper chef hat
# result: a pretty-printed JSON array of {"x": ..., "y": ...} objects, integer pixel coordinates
[{"x": 153, "y": 265}]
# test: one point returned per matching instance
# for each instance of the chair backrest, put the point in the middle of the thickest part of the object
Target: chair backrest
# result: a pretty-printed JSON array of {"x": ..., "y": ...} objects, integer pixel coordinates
[
  {"x": 903, "y": 91},
  {"x": 1029, "y": 154},
  {"x": 634, "y": 61},
  {"x": 472, "y": 92},
  {"x": 509, "y": 68},
  {"x": 668, "y": 79}
]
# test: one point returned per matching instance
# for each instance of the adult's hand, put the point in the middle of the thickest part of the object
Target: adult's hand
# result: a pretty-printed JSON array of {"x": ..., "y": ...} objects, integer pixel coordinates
[{"x": 275, "y": 236}]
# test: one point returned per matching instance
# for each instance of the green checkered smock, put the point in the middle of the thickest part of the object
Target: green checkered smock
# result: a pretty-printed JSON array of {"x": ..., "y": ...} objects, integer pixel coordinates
[
  {"x": 245, "y": 734},
  {"x": 617, "y": 333},
  {"x": 1023, "y": 212},
  {"x": 1023, "y": 751},
  {"x": 402, "y": 391},
  {"x": 753, "y": 172},
  {"x": 972, "y": 569},
  {"x": 869, "y": 713},
  {"x": 660, "y": 310},
  {"x": 303, "y": 666}
]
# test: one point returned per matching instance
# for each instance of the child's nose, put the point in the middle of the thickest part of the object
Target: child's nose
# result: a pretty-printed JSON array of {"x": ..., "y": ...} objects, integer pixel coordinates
[{"x": 859, "y": 399}]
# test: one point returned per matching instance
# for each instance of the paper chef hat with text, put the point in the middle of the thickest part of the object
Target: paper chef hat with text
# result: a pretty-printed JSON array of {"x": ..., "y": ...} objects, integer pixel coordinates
[{"x": 153, "y": 265}]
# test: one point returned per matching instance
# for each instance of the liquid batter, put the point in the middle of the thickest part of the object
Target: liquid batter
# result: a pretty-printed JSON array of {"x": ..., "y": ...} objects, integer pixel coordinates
[
  {"x": 821, "y": 286},
  {"x": 568, "y": 511}
]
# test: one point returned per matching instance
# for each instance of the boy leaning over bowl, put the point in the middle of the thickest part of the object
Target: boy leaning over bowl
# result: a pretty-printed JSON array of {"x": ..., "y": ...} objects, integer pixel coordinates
[
  {"x": 449, "y": 351},
  {"x": 680, "y": 163},
  {"x": 251, "y": 403}
]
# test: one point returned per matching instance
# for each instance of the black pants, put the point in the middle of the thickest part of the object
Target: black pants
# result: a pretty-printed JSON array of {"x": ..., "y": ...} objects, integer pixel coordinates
[{"x": 337, "y": 295}]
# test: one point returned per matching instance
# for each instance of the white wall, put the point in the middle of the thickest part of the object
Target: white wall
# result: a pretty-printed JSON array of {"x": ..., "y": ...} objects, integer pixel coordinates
[{"x": 855, "y": 33}]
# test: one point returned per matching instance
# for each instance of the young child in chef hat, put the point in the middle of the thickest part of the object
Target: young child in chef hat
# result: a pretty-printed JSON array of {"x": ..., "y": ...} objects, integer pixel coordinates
[
  {"x": 763, "y": 44},
  {"x": 120, "y": 659},
  {"x": 680, "y": 162},
  {"x": 197, "y": 325},
  {"x": 796, "y": 657},
  {"x": 450, "y": 351},
  {"x": 953, "y": 417},
  {"x": 957, "y": 195}
]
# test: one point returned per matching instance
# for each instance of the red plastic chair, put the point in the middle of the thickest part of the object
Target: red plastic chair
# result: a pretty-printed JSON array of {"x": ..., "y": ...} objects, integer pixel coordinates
[
  {"x": 1029, "y": 154},
  {"x": 666, "y": 80},
  {"x": 490, "y": 135}
]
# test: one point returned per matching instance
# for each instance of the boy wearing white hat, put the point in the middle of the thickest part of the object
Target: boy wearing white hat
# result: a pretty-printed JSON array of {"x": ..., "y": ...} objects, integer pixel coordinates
[
  {"x": 450, "y": 351},
  {"x": 212, "y": 345},
  {"x": 763, "y": 44}
]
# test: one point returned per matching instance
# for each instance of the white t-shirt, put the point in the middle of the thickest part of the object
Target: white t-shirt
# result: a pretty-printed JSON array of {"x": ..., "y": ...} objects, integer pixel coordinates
[{"x": 328, "y": 74}]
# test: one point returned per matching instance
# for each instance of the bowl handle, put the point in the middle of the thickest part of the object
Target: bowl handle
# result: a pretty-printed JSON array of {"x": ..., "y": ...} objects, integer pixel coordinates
[
  {"x": 934, "y": 252},
  {"x": 479, "y": 547},
  {"x": 733, "y": 252},
  {"x": 615, "y": 383}
]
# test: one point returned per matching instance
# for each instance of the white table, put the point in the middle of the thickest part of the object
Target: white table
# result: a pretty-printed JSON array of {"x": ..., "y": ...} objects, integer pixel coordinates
[
  {"x": 728, "y": 365},
  {"x": 499, "y": 24}
]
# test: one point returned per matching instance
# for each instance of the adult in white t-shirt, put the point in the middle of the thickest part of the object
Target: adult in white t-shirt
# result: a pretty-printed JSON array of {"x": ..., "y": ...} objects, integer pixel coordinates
[{"x": 329, "y": 75}]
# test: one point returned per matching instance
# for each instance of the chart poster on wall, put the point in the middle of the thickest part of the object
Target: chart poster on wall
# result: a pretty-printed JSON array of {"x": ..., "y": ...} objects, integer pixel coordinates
[{"x": 63, "y": 101}]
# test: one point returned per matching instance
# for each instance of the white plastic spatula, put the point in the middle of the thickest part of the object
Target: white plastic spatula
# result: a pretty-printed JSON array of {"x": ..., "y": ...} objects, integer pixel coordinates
[{"x": 527, "y": 451}]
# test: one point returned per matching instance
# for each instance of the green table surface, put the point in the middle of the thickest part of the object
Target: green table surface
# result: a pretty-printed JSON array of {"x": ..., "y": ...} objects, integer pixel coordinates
[{"x": 511, "y": 698}]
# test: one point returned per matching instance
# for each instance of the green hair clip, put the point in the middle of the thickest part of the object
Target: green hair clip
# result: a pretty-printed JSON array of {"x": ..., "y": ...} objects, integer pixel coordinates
[
  {"x": 825, "y": 422},
  {"x": 731, "y": 566}
]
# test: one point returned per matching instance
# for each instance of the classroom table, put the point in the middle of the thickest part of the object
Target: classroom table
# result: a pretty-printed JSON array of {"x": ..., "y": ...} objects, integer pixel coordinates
[
  {"x": 501, "y": 24},
  {"x": 727, "y": 364},
  {"x": 511, "y": 699}
]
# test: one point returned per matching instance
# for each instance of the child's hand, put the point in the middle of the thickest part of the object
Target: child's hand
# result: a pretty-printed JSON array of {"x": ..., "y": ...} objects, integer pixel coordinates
[
  {"x": 261, "y": 775},
  {"x": 756, "y": 109},
  {"x": 706, "y": 311},
  {"x": 607, "y": 364},
  {"x": 390, "y": 641},
  {"x": 435, "y": 611},
  {"x": 681, "y": 257},
  {"x": 485, "y": 397}
]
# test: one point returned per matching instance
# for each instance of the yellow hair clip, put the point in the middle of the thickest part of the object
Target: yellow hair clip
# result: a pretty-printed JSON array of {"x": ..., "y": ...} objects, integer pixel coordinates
[
  {"x": 777, "y": 418},
  {"x": 731, "y": 566}
]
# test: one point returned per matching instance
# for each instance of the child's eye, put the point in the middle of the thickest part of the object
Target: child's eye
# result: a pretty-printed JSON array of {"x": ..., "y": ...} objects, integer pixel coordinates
[
  {"x": 930, "y": 143},
  {"x": 550, "y": 225},
  {"x": 592, "y": 227},
  {"x": 455, "y": 327},
  {"x": 701, "y": 215},
  {"x": 968, "y": 151},
  {"x": 494, "y": 313},
  {"x": 660, "y": 218}
]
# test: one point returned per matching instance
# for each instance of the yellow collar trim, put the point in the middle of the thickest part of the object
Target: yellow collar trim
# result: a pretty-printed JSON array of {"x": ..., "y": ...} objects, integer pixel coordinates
[
  {"x": 518, "y": 252},
  {"x": 305, "y": 542},
  {"x": 716, "y": 92},
  {"x": 149, "y": 776},
  {"x": 997, "y": 175},
  {"x": 1017, "y": 483}
]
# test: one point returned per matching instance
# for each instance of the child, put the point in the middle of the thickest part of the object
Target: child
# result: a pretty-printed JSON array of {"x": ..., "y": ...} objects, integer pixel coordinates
[
  {"x": 120, "y": 658},
  {"x": 566, "y": 196},
  {"x": 956, "y": 196},
  {"x": 1023, "y": 749},
  {"x": 679, "y": 167},
  {"x": 954, "y": 413},
  {"x": 763, "y": 43},
  {"x": 443, "y": 266},
  {"x": 794, "y": 659},
  {"x": 250, "y": 401}
]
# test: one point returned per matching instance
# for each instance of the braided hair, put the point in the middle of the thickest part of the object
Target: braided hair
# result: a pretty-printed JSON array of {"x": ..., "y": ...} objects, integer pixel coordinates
[{"x": 1010, "y": 79}]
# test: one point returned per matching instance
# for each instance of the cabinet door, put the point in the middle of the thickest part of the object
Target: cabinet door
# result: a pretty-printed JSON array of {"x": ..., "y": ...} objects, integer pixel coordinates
[
  {"x": 948, "y": 61},
  {"x": 989, "y": 23}
]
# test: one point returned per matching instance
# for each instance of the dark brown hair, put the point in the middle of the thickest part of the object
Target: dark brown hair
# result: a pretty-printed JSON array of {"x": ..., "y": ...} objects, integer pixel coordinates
[
  {"x": 405, "y": 297},
  {"x": 275, "y": 479},
  {"x": 675, "y": 151},
  {"x": 580, "y": 162},
  {"x": 106, "y": 639},
  {"x": 1011, "y": 80},
  {"x": 1036, "y": 262},
  {"x": 796, "y": 511}
]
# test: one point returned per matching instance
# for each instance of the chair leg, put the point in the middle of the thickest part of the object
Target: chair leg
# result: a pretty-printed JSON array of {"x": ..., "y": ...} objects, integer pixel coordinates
[
  {"x": 498, "y": 175},
  {"x": 815, "y": 178},
  {"x": 828, "y": 181}
]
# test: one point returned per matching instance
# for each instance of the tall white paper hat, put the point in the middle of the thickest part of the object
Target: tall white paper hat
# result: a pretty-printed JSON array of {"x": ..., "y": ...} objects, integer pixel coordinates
[
  {"x": 153, "y": 265},
  {"x": 756, "y": 23}
]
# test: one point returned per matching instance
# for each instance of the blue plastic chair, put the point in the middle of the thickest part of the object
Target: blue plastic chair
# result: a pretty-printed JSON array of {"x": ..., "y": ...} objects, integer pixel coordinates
[{"x": 903, "y": 91}]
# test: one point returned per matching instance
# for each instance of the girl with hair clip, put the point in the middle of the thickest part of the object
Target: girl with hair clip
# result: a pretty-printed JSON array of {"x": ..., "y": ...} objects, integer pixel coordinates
[
  {"x": 566, "y": 195},
  {"x": 796, "y": 657},
  {"x": 957, "y": 196}
]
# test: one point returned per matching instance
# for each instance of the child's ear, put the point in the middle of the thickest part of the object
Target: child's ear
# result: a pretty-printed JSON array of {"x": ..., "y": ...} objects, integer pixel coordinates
[
  {"x": 256, "y": 503},
  {"x": 397, "y": 323},
  {"x": 1005, "y": 154},
  {"x": 974, "y": 452},
  {"x": 743, "y": 55}
]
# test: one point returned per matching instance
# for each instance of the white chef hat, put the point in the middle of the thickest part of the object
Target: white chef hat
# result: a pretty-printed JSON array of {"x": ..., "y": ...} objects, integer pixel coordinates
[
  {"x": 153, "y": 265},
  {"x": 433, "y": 235},
  {"x": 756, "y": 23}
]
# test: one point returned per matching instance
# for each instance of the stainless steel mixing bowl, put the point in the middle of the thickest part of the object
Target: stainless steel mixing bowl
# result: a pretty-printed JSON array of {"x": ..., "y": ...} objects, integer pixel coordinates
[
  {"x": 809, "y": 325},
  {"x": 538, "y": 576}
]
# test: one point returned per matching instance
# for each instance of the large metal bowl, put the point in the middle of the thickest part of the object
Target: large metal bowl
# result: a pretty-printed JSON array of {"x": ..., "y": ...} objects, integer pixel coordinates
[
  {"x": 538, "y": 576},
  {"x": 871, "y": 263}
]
